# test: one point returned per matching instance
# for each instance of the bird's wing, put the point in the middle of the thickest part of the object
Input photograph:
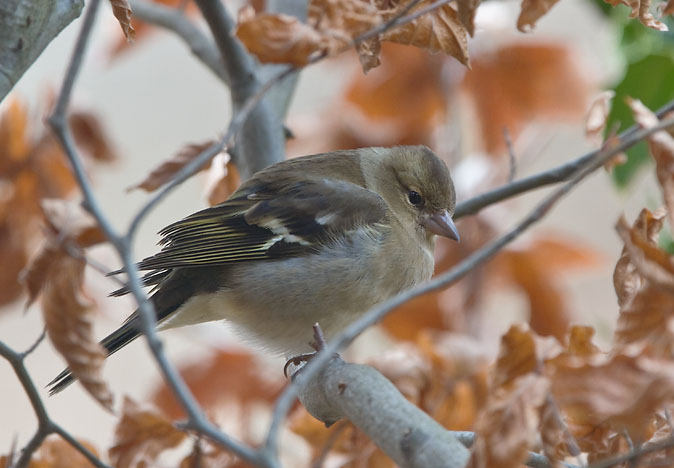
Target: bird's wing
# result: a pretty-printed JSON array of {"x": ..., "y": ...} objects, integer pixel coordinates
[{"x": 271, "y": 219}]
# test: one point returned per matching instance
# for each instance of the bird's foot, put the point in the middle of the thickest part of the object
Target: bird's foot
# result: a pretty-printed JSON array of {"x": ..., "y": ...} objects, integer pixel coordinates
[
  {"x": 297, "y": 360},
  {"x": 318, "y": 344}
]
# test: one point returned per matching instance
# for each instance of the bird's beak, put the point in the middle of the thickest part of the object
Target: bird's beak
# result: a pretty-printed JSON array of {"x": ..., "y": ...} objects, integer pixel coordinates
[{"x": 441, "y": 224}]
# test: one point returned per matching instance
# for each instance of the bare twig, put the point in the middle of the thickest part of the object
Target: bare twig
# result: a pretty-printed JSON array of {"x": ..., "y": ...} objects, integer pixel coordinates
[
  {"x": 45, "y": 425},
  {"x": 444, "y": 280},
  {"x": 635, "y": 454},
  {"x": 175, "y": 20},
  {"x": 511, "y": 154},
  {"x": 542, "y": 179},
  {"x": 34, "y": 346}
]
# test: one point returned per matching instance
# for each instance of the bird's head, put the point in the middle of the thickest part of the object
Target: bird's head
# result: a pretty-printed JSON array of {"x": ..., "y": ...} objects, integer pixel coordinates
[{"x": 417, "y": 186}]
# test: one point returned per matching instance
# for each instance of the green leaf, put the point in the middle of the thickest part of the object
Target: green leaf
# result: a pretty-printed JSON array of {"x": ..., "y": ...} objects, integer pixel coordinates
[{"x": 650, "y": 79}]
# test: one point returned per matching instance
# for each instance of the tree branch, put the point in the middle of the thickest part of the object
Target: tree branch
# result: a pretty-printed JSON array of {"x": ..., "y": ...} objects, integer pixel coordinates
[
  {"x": 26, "y": 29},
  {"x": 261, "y": 141},
  {"x": 404, "y": 432},
  {"x": 542, "y": 179},
  {"x": 175, "y": 20},
  {"x": 45, "y": 425}
]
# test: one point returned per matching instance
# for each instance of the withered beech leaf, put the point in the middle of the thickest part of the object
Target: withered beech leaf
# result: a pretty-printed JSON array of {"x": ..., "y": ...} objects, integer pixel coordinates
[
  {"x": 508, "y": 427},
  {"x": 595, "y": 120},
  {"x": 222, "y": 179},
  {"x": 648, "y": 319},
  {"x": 168, "y": 169},
  {"x": 67, "y": 316},
  {"x": 207, "y": 455},
  {"x": 279, "y": 38},
  {"x": 641, "y": 9},
  {"x": 532, "y": 11},
  {"x": 122, "y": 11},
  {"x": 90, "y": 135},
  {"x": 649, "y": 260},
  {"x": 626, "y": 278},
  {"x": 141, "y": 435},
  {"x": 580, "y": 342},
  {"x": 521, "y": 353},
  {"x": 220, "y": 379},
  {"x": 467, "y": 10},
  {"x": 661, "y": 145},
  {"x": 69, "y": 221},
  {"x": 622, "y": 391},
  {"x": 437, "y": 31}
]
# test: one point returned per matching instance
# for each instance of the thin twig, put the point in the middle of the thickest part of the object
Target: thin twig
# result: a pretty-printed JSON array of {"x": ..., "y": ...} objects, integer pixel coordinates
[
  {"x": 45, "y": 425},
  {"x": 34, "y": 346},
  {"x": 285, "y": 400},
  {"x": 542, "y": 179},
  {"x": 635, "y": 454},
  {"x": 511, "y": 155}
]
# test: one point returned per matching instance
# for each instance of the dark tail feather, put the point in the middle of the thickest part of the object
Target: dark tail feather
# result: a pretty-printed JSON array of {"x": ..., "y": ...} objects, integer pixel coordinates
[{"x": 113, "y": 342}]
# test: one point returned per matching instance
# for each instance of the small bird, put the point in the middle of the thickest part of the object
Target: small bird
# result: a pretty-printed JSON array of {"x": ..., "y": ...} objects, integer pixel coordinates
[{"x": 320, "y": 238}]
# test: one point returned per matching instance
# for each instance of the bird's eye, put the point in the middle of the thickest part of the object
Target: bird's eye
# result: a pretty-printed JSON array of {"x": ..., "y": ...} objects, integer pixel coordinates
[{"x": 414, "y": 197}]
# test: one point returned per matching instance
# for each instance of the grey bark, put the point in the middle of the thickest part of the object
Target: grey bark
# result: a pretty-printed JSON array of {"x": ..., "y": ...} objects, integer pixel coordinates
[{"x": 26, "y": 28}]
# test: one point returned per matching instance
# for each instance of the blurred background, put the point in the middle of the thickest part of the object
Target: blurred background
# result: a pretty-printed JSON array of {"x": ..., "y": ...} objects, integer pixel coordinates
[{"x": 141, "y": 103}]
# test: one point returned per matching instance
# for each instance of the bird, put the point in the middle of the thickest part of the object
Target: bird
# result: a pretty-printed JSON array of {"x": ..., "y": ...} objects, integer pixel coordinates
[{"x": 315, "y": 239}]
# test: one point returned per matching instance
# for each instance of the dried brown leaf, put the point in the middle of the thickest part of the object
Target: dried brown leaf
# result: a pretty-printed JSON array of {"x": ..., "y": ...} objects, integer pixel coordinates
[
  {"x": 626, "y": 279},
  {"x": 467, "y": 10},
  {"x": 279, "y": 38},
  {"x": 224, "y": 377},
  {"x": 67, "y": 316},
  {"x": 222, "y": 179},
  {"x": 90, "y": 135},
  {"x": 437, "y": 31},
  {"x": 661, "y": 145},
  {"x": 580, "y": 342},
  {"x": 211, "y": 456},
  {"x": 622, "y": 391},
  {"x": 535, "y": 269},
  {"x": 168, "y": 169},
  {"x": 595, "y": 120},
  {"x": 141, "y": 435},
  {"x": 649, "y": 260},
  {"x": 122, "y": 11},
  {"x": 344, "y": 18},
  {"x": 517, "y": 83},
  {"x": 532, "y": 11},
  {"x": 69, "y": 221},
  {"x": 14, "y": 142},
  {"x": 508, "y": 427},
  {"x": 521, "y": 353}
]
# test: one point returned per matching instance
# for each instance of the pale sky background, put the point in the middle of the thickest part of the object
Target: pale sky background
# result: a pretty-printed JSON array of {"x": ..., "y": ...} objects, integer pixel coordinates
[{"x": 157, "y": 97}]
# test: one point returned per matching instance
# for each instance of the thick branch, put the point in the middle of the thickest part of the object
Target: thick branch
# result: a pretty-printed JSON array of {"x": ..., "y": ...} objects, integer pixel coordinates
[
  {"x": 26, "y": 28},
  {"x": 372, "y": 403},
  {"x": 261, "y": 141}
]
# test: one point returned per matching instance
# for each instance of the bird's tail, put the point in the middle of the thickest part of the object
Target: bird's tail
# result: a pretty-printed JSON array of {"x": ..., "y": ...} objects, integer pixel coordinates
[{"x": 113, "y": 342}]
